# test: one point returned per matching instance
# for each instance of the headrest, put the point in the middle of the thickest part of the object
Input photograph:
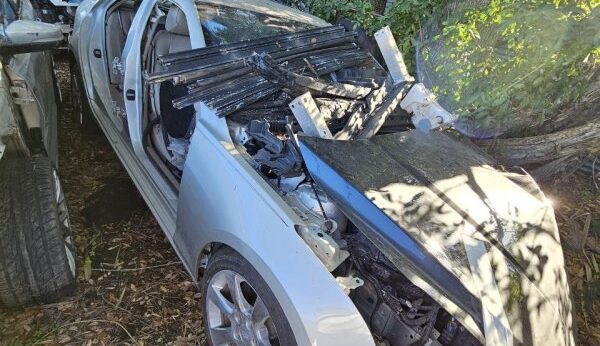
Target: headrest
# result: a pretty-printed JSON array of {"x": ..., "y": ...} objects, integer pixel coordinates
[{"x": 176, "y": 23}]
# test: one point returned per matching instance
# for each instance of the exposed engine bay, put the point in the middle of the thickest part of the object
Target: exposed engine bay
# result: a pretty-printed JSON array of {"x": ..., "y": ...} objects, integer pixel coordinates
[
  {"x": 396, "y": 311},
  {"x": 255, "y": 86}
]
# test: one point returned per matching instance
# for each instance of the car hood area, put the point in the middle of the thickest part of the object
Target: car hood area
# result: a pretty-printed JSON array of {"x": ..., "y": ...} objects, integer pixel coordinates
[{"x": 481, "y": 240}]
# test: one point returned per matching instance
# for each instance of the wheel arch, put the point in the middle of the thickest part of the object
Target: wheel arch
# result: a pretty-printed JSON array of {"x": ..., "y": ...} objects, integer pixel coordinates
[{"x": 318, "y": 310}]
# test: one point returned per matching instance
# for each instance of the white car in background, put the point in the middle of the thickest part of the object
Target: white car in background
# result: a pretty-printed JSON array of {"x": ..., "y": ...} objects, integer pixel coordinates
[{"x": 37, "y": 259}]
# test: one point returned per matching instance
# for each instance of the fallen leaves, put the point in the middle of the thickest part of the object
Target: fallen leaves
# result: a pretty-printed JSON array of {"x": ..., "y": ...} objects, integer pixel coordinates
[{"x": 577, "y": 207}]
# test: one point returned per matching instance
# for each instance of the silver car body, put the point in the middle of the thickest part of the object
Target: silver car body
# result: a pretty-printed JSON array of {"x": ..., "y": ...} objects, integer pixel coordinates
[
  {"x": 222, "y": 199},
  {"x": 27, "y": 97},
  {"x": 224, "y": 202}
]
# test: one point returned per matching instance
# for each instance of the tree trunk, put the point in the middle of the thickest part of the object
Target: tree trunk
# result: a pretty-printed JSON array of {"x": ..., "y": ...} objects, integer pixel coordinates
[
  {"x": 379, "y": 6},
  {"x": 581, "y": 141},
  {"x": 562, "y": 167}
]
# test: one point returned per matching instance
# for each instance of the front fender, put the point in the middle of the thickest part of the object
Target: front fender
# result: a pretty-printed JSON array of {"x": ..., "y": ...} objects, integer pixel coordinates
[{"x": 222, "y": 199}]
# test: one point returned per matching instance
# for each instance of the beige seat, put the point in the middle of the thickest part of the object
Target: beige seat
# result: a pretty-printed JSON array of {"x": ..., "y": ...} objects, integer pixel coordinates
[{"x": 174, "y": 38}]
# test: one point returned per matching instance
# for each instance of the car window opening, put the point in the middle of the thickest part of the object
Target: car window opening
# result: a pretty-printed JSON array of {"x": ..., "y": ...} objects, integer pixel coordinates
[{"x": 167, "y": 130}]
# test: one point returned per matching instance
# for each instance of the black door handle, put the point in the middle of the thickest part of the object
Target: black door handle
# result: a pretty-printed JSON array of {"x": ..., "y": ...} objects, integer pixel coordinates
[
  {"x": 130, "y": 94},
  {"x": 97, "y": 53}
]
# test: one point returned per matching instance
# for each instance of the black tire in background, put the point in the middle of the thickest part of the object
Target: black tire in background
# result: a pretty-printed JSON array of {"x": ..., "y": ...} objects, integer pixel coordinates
[
  {"x": 226, "y": 259},
  {"x": 82, "y": 112},
  {"x": 37, "y": 259}
]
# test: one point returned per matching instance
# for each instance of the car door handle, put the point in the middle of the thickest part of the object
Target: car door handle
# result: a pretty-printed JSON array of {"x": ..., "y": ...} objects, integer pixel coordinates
[
  {"x": 97, "y": 53},
  {"x": 130, "y": 95}
]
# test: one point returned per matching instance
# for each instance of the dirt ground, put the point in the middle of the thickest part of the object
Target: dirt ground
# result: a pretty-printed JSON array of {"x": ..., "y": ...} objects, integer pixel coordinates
[{"x": 132, "y": 289}]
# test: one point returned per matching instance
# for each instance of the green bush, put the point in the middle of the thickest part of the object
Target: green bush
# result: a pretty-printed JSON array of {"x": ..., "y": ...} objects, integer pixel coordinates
[{"x": 509, "y": 66}]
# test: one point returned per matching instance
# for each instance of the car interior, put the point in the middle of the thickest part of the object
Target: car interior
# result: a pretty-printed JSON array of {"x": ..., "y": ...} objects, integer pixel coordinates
[
  {"x": 167, "y": 129},
  {"x": 170, "y": 128}
]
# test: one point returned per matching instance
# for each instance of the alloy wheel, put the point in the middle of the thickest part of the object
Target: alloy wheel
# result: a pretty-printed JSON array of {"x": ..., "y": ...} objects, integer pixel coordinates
[
  {"x": 236, "y": 313},
  {"x": 63, "y": 216}
]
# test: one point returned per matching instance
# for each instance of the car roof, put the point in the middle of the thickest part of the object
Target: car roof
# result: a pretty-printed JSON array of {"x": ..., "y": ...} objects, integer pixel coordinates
[{"x": 271, "y": 8}]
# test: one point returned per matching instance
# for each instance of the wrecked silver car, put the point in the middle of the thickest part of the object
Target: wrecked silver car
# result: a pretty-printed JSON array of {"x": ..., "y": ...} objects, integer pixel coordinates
[{"x": 282, "y": 162}]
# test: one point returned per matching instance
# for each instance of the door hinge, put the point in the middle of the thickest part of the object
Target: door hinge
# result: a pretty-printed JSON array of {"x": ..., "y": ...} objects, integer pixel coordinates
[
  {"x": 118, "y": 112},
  {"x": 117, "y": 67},
  {"x": 20, "y": 93}
]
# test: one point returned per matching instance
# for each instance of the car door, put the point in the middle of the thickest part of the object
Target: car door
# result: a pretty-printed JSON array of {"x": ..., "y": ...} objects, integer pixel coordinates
[
  {"x": 32, "y": 87},
  {"x": 161, "y": 195},
  {"x": 132, "y": 63},
  {"x": 93, "y": 44}
]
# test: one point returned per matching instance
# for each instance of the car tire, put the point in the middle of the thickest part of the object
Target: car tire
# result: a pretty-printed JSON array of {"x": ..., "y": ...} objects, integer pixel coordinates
[
  {"x": 82, "y": 112},
  {"x": 228, "y": 268},
  {"x": 37, "y": 259}
]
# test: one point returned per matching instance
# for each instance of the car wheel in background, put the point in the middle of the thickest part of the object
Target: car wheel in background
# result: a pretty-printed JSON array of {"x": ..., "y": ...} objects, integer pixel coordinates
[
  {"x": 238, "y": 305},
  {"x": 82, "y": 112},
  {"x": 37, "y": 258}
]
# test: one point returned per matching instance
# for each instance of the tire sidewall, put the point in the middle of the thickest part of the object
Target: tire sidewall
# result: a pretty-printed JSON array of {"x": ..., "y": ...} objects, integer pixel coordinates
[
  {"x": 64, "y": 231},
  {"x": 34, "y": 265}
]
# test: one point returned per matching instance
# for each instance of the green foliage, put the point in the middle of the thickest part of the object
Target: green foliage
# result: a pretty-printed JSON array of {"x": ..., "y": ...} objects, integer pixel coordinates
[
  {"x": 513, "y": 64},
  {"x": 405, "y": 18}
]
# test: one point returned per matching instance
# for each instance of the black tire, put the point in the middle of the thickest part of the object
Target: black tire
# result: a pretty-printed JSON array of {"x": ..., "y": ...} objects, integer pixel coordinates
[
  {"x": 226, "y": 259},
  {"x": 37, "y": 260},
  {"x": 82, "y": 112}
]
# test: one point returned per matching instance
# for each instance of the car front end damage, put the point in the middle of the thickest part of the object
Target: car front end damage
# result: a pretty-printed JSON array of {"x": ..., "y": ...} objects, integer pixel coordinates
[
  {"x": 482, "y": 241},
  {"x": 430, "y": 240}
]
